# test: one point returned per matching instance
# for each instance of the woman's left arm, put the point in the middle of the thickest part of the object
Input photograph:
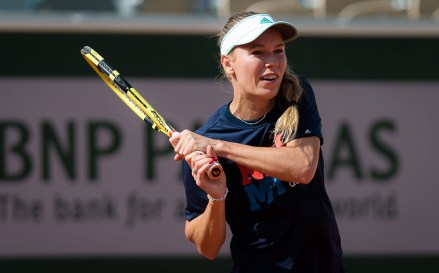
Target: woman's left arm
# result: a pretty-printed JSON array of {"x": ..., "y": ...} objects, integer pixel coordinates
[{"x": 295, "y": 162}]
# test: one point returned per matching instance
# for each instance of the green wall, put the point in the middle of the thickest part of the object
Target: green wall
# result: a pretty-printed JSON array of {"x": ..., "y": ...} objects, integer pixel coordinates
[
  {"x": 353, "y": 264},
  {"x": 185, "y": 56}
]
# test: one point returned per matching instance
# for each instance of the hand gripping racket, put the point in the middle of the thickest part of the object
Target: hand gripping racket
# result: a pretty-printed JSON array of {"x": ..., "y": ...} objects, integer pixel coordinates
[{"x": 134, "y": 100}]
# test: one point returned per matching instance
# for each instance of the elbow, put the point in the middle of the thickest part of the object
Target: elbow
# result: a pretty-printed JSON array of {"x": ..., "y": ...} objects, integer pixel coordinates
[
  {"x": 306, "y": 177},
  {"x": 307, "y": 174},
  {"x": 306, "y": 163},
  {"x": 208, "y": 250},
  {"x": 209, "y": 254}
]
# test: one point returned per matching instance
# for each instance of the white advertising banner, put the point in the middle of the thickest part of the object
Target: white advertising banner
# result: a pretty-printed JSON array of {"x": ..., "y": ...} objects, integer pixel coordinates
[{"x": 81, "y": 175}]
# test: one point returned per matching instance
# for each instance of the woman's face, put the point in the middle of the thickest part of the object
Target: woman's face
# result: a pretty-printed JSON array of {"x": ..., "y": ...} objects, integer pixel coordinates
[{"x": 257, "y": 68}]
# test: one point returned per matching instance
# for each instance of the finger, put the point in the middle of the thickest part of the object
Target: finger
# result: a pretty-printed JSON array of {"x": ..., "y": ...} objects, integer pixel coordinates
[
  {"x": 180, "y": 139},
  {"x": 211, "y": 151},
  {"x": 201, "y": 161},
  {"x": 194, "y": 173},
  {"x": 215, "y": 169},
  {"x": 191, "y": 159},
  {"x": 211, "y": 154},
  {"x": 175, "y": 137},
  {"x": 192, "y": 155},
  {"x": 178, "y": 157},
  {"x": 203, "y": 168},
  {"x": 184, "y": 146},
  {"x": 213, "y": 159},
  {"x": 197, "y": 159},
  {"x": 200, "y": 171}
]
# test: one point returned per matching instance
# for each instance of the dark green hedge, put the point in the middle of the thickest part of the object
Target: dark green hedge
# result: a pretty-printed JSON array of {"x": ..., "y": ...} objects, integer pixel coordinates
[{"x": 191, "y": 56}]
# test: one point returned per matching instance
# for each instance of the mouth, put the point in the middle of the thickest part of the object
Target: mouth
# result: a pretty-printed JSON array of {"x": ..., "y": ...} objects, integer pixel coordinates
[{"x": 269, "y": 77}]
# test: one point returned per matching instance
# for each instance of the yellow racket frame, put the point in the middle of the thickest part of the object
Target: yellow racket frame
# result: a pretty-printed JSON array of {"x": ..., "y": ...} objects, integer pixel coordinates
[
  {"x": 134, "y": 100},
  {"x": 129, "y": 96}
]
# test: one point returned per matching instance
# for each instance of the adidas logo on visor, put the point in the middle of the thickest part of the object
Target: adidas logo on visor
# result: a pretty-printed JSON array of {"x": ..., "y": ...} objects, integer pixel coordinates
[{"x": 265, "y": 21}]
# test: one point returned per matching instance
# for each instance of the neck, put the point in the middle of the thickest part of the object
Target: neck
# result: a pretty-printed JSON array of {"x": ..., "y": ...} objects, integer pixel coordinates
[{"x": 250, "y": 110}]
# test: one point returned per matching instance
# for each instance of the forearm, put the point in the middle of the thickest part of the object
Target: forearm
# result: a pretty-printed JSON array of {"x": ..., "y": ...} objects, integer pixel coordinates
[
  {"x": 208, "y": 231},
  {"x": 295, "y": 162}
]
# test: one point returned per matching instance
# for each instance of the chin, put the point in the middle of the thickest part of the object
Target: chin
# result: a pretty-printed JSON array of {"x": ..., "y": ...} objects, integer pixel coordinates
[{"x": 270, "y": 94}]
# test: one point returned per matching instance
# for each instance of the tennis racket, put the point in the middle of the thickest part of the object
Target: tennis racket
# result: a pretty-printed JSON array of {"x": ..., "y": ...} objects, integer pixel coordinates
[{"x": 134, "y": 100}]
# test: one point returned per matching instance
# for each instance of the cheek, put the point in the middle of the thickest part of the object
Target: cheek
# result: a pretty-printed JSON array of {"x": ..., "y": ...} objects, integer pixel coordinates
[
  {"x": 249, "y": 70},
  {"x": 282, "y": 61}
]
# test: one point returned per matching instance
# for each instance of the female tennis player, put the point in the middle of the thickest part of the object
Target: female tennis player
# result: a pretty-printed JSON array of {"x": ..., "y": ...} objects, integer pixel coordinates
[{"x": 268, "y": 139}]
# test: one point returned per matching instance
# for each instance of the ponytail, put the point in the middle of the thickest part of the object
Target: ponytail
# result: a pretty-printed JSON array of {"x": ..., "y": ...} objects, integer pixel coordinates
[{"x": 289, "y": 94}]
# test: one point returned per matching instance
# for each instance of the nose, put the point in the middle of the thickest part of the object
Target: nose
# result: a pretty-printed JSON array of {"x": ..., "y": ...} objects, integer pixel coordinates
[{"x": 271, "y": 61}]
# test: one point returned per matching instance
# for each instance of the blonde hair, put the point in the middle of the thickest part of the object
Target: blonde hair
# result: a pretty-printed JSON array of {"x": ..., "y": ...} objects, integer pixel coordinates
[{"x": 289, "y": 93}]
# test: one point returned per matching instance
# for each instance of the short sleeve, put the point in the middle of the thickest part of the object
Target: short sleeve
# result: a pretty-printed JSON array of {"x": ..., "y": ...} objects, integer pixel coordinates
[
  {"x": 196, "y": 199},
  {"x": 310, "y": 123}
]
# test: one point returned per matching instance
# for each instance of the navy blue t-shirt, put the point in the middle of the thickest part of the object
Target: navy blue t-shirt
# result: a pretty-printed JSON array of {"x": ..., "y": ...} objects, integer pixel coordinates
[{"x": 277, "y": 226}]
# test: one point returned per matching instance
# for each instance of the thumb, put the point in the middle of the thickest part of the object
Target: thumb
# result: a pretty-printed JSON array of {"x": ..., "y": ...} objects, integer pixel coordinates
[{"x": 210, "y": 151}]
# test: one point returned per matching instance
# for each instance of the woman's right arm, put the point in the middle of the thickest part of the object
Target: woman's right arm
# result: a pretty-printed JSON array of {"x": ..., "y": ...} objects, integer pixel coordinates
[{"x": 208, "y": 230}]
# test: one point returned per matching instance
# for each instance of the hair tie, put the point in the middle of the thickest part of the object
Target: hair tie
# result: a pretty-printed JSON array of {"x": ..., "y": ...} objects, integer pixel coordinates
[{"x": 292, "y": 103}]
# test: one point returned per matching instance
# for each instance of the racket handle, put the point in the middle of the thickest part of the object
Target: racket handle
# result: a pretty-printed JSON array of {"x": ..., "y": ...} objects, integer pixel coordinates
[{"x": 214, "y": 172}]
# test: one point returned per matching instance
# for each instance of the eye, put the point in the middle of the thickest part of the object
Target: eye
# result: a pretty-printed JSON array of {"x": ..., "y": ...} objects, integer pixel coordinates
[{"x": 279, "y": 51}]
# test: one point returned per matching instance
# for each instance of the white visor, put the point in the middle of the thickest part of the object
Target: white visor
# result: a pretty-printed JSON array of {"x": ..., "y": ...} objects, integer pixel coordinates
[{"x": 250, "y": 28}]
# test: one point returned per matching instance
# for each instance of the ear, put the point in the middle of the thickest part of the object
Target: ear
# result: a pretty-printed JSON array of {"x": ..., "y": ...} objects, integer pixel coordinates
[{"x": 226, "y": 62}]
